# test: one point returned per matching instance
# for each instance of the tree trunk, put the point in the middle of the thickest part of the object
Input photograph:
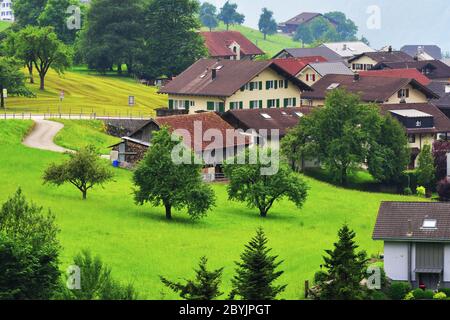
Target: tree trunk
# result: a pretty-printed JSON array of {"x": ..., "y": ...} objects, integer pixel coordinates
[
  {"x": 168, "y": 211},
  {"x": 30, "y": 72},
  {"x": 42, "y": 85},
  {"x": 84, "y": 194},
  {"x": 263, "y": 212},
  {"x": 119, "y": 68},
  {"x": 2, "y": 99},
  {"x": 265, "y": 36}
]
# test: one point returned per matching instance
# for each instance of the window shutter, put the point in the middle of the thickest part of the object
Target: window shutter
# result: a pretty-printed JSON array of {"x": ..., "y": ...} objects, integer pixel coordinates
[
  {"x": 294, "y": 102},
  {"x": 251, "y": 104},
  {"x": 186, "y": 104},
  {"x": 286, "y": 84},
  {"x": 251, "y": 86},
  {"x": 260, "y": 104},
  {"x": 286, "y": 101},
  {"x": 400, "y": 93},
  {"x": 170, "y": 104},
  {"x": 221, "y": 106},
  {"x": 278, "y": 103},
  {"x": 260, "y": 85},
  {"x": 276, "y": 84},
  {"x": 267, "y": 85},
  {"x": 231, "y": 106},
  {"x": 241, "y": 105},
  {"x": 210, "y": 106},
  {"x": 242, "y": 88},
  {"x": 407, "y": 93}
]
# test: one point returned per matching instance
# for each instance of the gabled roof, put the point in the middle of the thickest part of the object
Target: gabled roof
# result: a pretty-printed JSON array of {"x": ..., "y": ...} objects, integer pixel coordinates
[
  {"x": 439, "y": 69},
  {"x": 294, "y": 65},
  {"x": 398, "y": 73},
  {"x": 281, "y": 119},
  {"x": 231, "y": 75},
  {"x": 349, "y": 48},
  {"x": 331, "y": 68},
  {"x": 371, "y": 89},
  {"x": 441, "y": 122},
  {"x": 432, "y": 50},
  {"x": 302, "y": 18},
  {"x": 384, "y": 56},
  {"x": 404, "y": 221},
  {"x": 218, "y": 43},
  {"x": 325, "y": 52}
]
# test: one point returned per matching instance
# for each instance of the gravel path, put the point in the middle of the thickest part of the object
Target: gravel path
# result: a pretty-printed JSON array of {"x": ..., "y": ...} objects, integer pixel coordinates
[{"x": 41, "y": 137}]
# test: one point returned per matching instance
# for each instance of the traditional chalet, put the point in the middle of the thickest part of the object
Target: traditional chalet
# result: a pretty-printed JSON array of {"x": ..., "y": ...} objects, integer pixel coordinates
[
  {"x": 348, "y": 49},
  {"x": 324, "y": 52},
  {"x": 367, "y": 60},
  {"x": 384, "y": 90},
  {"x": 416, "y": 239},
  {"x": 313, "y": 72},
  {"x": 442, "y": 89},
  {"x": 424, "y": 124},
  {"x": 195, "y": 130},
  {"x": 434, "y": 69},
  {"x": 431, "y": 50},
  {"x": 398, "y": 73},
  {"x": 303, "y": 19},
  {"x": 222, "y": 85},
  {"x": 294, "y": 65},
  {"x": 230, "y": 45}
]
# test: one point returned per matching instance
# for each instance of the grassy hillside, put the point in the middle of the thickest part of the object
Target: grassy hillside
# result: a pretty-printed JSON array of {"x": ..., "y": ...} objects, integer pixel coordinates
[
  {"x": 271, "y": 46},
  {"x": 4, "y": 25},
  {"x": 140, "y": 245},
  {"x": 104, "y": 95}
]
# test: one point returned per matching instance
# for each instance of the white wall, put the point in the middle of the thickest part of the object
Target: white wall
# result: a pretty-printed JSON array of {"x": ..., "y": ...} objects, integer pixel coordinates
[
  {"x": 447, "y": 263},
  {"x": 396, "y": 260}
]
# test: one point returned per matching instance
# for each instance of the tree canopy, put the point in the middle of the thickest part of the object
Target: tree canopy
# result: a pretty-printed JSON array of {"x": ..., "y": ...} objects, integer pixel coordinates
[
  {"x": 12, "y": 79},
  {"x": 267, "y": 24},
  {"x": 161, "y": 181},
  {"x": 208, "y": 15},
  {"x": 426, "y": 171},
  {"x": 228, "y": 15}
]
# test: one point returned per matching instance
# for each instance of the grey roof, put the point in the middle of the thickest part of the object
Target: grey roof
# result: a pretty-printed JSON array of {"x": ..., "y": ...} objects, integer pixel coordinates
[
  {"x": 403, "y": 221},
  {"x": 324, "y": 68},
  {"x": 432, "y": 50},
  {"x": 325, "y": 52},
  {"x": 446, "y": 61},
  {"x": 411, "y": 113},
  {"x": 349, "y": 48},
  {"x": 302, "y": 18}
]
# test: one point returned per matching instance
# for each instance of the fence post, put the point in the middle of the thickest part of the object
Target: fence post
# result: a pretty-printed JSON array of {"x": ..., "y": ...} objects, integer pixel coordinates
[{"x": 306, "y": 289}]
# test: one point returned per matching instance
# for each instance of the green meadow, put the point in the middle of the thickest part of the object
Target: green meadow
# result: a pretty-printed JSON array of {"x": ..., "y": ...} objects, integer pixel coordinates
[{"x": 139, "y": 244}]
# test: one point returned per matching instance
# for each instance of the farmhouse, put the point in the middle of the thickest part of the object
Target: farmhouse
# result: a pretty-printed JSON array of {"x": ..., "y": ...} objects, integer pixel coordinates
[
  {"x": 222, "y": 85},
  {"x": 416, "y": 242},
  {"x": 442, "y": 89},
  {"x": 424, "y": 124},
  {"x": 295, "y": 65},
  {"x": 313, "y": 72},
  {"x": 431, "y": 50},
  {"x": 198, "y": 133},
  {"x": 324, "y": 52},
  {"x": 434, "y": 69},
  {"x": 371, "y": 89},
  {"x": 367, "y": 60},
  {"x": 230, "y": 45},
  {"x": 398, "y": 73},
  {"x": 303, "y": 19}
]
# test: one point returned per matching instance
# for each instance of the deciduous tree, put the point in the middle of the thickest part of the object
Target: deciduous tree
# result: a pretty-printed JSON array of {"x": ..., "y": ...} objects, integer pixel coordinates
[
  {"x": 267, "y": 24},
  {"x": 228, "y": 15},
  {"x": 426, "y": 171},
  {"x": 208, "y": 15},
  {"x": 12, "y": 79}
]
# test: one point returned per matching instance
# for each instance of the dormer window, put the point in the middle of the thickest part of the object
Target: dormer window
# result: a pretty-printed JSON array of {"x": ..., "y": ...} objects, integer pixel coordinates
[{"x": 429, "y": 224}]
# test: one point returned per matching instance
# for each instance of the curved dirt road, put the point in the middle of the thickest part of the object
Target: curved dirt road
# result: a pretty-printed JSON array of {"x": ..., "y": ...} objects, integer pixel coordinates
[{"x": 42, "y": 136}]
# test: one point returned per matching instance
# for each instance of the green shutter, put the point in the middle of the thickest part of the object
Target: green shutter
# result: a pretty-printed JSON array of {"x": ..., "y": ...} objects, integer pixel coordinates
[
  {"x": 286, "y": 101},
  {"x": 186, "y": 104},
  {"x": 241, "y": 105},
  {"x": 260, "y": 85},
  {"x": 252, "y": 86},
  {"x": 170, "y": 104},
  {"x": 276, "y": 84},
  {"x": 231, "y": 106},
  {"x": 242, "y": 88},
  {"x": 286, "y": 84},
  {"x": 221, "y": 106},
  {"x": 278, "y": 103},
  {"x": 260, "y": 104},
  {"x": 251, "y": 105},
  {"x": 210, "y": 105},
  {"x": 294, "y": 103},
  {"x": 267, "y": 85}
]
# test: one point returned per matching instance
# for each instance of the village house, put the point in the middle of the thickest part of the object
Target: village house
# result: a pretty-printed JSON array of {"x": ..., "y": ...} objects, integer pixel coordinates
[
  {"x": 398, "y": 73},
  {"x": 348, "y": 49},
  {"x": 324, "y": 52},
  {"x": 367, "y": 60},
  {"x": 303, "y": 19},
  {"x": 434, "y": 69},
  {"x": 222, "y": 85},
  {"x": 313, "y": 72},
  {"x": 432, "y": 51},
  {"x": 416, "y": 239},
  {"x": 231, "y": 45},
  {"x": 442, "y": 89},
  {"x": 384, "y": 90},
  {"x": 424, "y": 124},
  {"x": 195, "y": 130}
]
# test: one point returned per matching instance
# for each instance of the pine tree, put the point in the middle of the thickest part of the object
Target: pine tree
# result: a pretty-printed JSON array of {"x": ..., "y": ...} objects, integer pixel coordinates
[
  {"x": 204, "y": 287},
  {"x": 345, "y": 269},
  {"x": 256, "y": 273}
]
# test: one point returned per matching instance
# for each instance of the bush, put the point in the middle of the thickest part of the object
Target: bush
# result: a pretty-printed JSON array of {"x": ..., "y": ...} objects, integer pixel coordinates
[
  {"x": 446, "y": 291},
  {"x": 409, "y": 296},
  {"x": 418, "y": 294},
  {"x": 399, "y": 290},
  {"x": 378, "y": 295},
  {"x": 428, "y": 294},
  {"x": 407, "y": 191},
  {"x": 409, "y": 180},
  {"x": 443, "y": 189},
  {"x": 440, "y": 296},
  {"x": 421, "y": 191}
]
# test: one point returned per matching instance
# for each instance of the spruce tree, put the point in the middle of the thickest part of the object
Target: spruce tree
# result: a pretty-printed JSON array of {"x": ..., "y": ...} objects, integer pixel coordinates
[
  {"x": 345, "y": 269},
  {"x": 204, "y": 287},
  {"x": 256, "y": 272}
]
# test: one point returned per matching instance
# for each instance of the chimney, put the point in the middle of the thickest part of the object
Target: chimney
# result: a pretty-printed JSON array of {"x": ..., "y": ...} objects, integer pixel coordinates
[
  {"x": 410, "y": 229},
  {"x": 344, "y": 47},
  {"x": 390, "y": 49},
  {"x": 214, "y": 73},
  {"x": 356, "y": 77}
]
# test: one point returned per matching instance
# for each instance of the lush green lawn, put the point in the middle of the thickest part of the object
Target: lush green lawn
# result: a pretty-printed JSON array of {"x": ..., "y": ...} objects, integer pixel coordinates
[
  {"x": 4, "y": 25},
  {"x": 272, "y": 45},
  {"x": 140, "y": 245},
  {"x": 86, "y": 93},
  {"x": 80, "y": 133}
]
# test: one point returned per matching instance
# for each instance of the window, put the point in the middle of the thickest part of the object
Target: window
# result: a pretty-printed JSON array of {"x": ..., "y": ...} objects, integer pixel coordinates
[
  {"x": 333, "y": 86},
  {"x": 412, "y": 138},
  {"x": 403, "y": 93},
  {"x": 254, "y": 85},
  {"x": 266, "y": 116},
  {"x": 272, "y": 103},
  {"x": 234, "y": 105},
  {"x": 270, "y": 84},
  {"x": 299, "y": 114},
  {"x": 254, "y": 104},
  {"x": 215, "y": 106},
  {"x": 429, "y": 224},
  {"x": 290, "y": 102},
  {"x": 181, "y": 104}
]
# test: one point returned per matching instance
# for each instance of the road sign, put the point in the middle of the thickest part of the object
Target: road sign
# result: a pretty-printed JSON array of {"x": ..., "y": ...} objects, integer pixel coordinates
[
  {"x": 131, "y": 101},
  {"x": 61, "y": 95}
]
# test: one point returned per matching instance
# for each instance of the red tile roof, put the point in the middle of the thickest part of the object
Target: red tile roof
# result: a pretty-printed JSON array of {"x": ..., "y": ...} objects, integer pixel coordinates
[
  {"x": 398, "y": 73},
  {"x": 293, "y": 66},
  {"x": 218, "y": 43},
  {"x": 205, "y": 121}
]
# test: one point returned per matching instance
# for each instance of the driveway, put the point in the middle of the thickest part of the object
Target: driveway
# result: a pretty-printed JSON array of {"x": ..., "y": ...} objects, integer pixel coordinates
[{"x": 41, "y": 137}]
